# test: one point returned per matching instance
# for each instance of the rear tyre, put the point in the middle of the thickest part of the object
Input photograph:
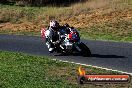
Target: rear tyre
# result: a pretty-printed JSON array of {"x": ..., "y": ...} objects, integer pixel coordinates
[{"x": 85, "y": 51}]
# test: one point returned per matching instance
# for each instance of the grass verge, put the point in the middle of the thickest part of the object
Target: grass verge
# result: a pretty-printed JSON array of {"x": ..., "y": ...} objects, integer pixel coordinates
[{"x": 25, "y": 71}]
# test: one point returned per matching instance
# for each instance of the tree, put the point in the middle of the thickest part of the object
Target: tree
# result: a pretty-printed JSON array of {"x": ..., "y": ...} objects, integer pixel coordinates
[{"x": 3, "y": 1}]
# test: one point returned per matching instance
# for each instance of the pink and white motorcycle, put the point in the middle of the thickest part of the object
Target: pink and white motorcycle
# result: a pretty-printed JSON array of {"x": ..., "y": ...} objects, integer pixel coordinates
[{"x": 69, "y": 44}]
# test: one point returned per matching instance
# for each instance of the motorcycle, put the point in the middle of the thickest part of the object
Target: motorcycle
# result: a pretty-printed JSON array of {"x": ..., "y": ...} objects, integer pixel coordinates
[{"x": 70, "y": 44}]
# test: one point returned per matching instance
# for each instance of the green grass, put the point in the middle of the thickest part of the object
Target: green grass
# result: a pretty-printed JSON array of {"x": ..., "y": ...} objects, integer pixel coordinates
[
  {"x": 120, "y": 31},
  {"x": 19, "y": 70},
  {"x": 24, "y": 71}
]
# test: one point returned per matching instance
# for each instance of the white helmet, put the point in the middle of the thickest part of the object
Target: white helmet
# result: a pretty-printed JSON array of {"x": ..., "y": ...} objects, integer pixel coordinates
[{"x": 54, "y": 24}]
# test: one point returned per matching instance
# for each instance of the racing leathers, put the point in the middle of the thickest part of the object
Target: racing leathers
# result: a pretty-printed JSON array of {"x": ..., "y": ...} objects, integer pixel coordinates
[{"x": 52, "y": 37}]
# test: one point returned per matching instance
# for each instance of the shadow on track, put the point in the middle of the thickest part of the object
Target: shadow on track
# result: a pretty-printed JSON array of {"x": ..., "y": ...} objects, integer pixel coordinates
[
  {"x": 93, "y": 55},
  {"x": 107, "y": 56}
]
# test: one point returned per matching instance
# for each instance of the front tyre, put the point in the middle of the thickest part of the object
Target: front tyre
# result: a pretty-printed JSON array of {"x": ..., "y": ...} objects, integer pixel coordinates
[{"x": 85, "y": 51}]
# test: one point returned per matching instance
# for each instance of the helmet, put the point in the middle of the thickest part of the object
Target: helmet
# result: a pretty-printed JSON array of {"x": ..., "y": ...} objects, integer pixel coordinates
[{"x": 54, "y": 24}]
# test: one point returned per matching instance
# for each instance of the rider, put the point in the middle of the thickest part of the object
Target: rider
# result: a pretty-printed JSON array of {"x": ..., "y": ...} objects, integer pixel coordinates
[
  {"x": 55, "y": 32},
  {"x": 52, "y": 35}
]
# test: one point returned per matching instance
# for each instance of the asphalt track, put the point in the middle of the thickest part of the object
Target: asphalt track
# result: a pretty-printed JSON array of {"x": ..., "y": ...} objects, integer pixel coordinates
[{"x": 112, "y": 55}]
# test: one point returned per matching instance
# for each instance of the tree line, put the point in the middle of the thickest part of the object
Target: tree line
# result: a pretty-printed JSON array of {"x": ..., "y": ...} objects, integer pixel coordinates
[{"x": 40, "y": 2}]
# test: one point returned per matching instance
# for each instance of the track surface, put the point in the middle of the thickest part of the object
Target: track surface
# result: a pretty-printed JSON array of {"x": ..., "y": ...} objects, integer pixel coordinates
[{"x": 112, "y": 55}]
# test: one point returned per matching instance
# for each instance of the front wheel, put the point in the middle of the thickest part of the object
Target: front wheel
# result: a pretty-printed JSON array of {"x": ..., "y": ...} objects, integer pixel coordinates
[{"x": 85, "y": 51}]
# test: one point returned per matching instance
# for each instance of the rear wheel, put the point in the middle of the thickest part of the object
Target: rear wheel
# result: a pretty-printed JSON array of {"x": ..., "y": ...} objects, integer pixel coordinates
[{"x": 85, "y": 51}]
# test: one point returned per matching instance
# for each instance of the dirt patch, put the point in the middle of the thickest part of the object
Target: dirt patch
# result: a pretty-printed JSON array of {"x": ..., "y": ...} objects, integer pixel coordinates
[
  {"x": 82, "y": 21},
  {"x": 86, "y": 20},
  {"x": 27, "y": 26}
]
